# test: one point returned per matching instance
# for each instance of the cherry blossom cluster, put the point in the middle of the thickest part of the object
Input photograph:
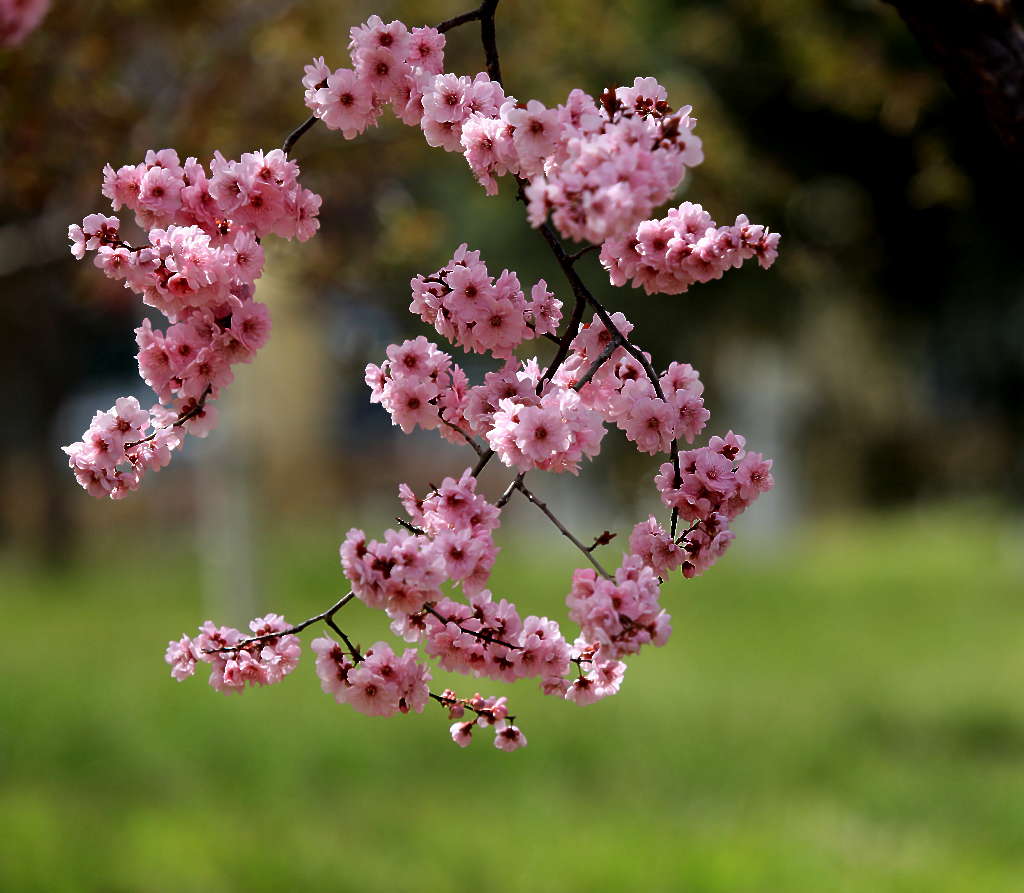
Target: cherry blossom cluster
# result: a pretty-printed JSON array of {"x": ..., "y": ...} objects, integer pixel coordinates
[
  {"x": 652, "y": 413},
  {"x": 489, "y": 712},
  {"x": 236, "y": 660},
  {"x": 18, "y": 18},
  {"x": 550, "y": 432},
  {"x": 481, "y": 314},
  {"x": 597, "y": 166},
  {"x": 669, "y": 255},
  {"x": 622, "y": 614},
  {"x": 452, "y": 541},
  {"x": 199, "y": 266},
  {"x": 715, "y": 484},
  {"x": 617, "y": 160},
  {"x": 380, "y": 684},
  {"x": 527, "y": 421},
  {"x": 596, "y": 169}
]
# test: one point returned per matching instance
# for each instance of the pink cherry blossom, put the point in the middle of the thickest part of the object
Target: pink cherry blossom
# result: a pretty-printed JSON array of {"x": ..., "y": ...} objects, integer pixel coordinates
[
  {"x": 596, "y": 168},
  {"x": 685, "y": 247},
  {"x": 508, "y": 737},
  {"x": 199, "y": 269},
  {"x": 18, "y": 18}
]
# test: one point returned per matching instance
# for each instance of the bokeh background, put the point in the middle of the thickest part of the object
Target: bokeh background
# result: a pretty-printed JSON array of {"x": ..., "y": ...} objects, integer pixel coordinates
[{"x": 841, "y": 705}]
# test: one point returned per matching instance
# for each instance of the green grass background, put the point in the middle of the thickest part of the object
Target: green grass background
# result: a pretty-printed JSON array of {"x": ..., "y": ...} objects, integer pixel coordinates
[{"x": 843, "y": 712}]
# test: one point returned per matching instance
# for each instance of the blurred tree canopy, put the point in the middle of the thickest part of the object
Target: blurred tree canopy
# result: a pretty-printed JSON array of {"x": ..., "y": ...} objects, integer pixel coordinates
[{"x": 893, "y": 320}]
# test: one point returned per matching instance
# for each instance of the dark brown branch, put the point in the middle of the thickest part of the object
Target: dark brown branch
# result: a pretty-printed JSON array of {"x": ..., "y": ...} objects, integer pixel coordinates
[
  {"x": 582, "y": 293},
  {"x": 652, "y": 374},
  {"x": 352, "y": 649},
  {"x": 464, "y": 18},
  {"x": 576, "y": 255},
  {"x": 297, "y": 133},
  {"x": 179, "y": 421},
  {"x": 605, "y": 354},
  {"x": 679, "y": 539},
  {"x": 979, "y": 47},
  {"x": 517, "y": 484},
  {"x": 509, "y": 490},
  {"x": 479, "y": 450},
  {"x": 483, "y": 14},
  {"x": 484, "y": 459},
  {"x": 412, "y": 528},
  {"x": 552, "y": 338},
  {"x": 476, "y": 634},
  {"x": 489, "y": 39},
  {"x": 571, "y": 329},
  {"x": 327, "y": 616}
]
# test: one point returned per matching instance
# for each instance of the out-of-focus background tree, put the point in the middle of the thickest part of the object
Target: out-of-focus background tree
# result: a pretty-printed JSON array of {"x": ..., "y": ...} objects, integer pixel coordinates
[{"x": 881, "y": 362}]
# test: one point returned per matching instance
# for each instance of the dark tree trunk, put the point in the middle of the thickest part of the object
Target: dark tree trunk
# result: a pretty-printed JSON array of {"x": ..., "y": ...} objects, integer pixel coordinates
[{"x": 979, "y": 46}]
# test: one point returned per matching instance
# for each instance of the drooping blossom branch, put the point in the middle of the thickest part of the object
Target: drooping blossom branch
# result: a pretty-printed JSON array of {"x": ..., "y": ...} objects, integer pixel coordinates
[
  {"x": 198, "y": 269},
  {"x": 249, "y": 641},
  {"x": 591, "y": 171},
  {"x": 191, "y": 410}
]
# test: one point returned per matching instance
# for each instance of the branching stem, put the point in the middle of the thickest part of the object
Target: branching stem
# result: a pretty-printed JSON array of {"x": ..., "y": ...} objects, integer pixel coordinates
[
  {"x": 179, "y": 421},
  {"x": 327, "y": 616}
]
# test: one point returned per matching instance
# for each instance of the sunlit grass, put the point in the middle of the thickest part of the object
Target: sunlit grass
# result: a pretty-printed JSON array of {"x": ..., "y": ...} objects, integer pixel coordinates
[{"x": 846, "y": 714}]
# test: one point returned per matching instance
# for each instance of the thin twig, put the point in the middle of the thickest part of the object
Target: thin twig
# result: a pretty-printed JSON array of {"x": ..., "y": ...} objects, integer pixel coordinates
[
  {"x": 641, "y": 358},
  {"x": 483, "y": 637},
  {"x": 571, "y": 329},
  {"x": 479, "y": 450},
  {"x": 412, "y": 528},
  {"x": 464, "y": 702},
  {"x": 576, "y": 255},
  {"x": 509, "y": 490},
  {"x": 327, "y": 615},
  {"x": 582, "y": 293},
  {"x": 679, "y": 539},
  {"x": 297, "y": 133},
  {"x": 462, "y": 19},
  {"x": 553, "y": 338},
  {"x": 484, "y": 459},
  {"x": 518, "y": 485},
  {"x": 612, "y": 346},
  {"x": 179, "y": 421},
  {"x": 352, "y": 649}
]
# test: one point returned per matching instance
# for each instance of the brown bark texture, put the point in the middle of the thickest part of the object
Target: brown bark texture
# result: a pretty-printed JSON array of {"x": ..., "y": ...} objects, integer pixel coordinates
[{"x": 979, "y": 46}]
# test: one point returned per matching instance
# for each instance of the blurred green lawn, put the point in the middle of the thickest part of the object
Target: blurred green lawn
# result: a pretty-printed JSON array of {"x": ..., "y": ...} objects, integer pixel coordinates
[{"x": 846, "y": 714}]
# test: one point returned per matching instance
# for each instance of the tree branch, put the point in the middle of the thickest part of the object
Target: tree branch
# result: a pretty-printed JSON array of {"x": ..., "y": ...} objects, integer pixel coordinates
[
  {"x": 479, "y": 450},
  {"x": 297, "y": 133},
  {"x": 179, "y": 421},
  {"x": 489, "y": 39},
  {"x": 476, "y": 634},
  {"x": 517, "y": 484},
  {"x": 463, "y": 18},
  {"x": 979, "y": 47},
  {"x": 327, "y": 616},
  {"x": 582, "y": 293},
  {"x": 605, "y": 354},
  {"x": 484, "y": 14}
]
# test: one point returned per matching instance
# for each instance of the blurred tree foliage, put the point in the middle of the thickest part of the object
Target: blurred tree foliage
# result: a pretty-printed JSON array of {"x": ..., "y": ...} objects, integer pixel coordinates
[{"x": 895, "y": 313}]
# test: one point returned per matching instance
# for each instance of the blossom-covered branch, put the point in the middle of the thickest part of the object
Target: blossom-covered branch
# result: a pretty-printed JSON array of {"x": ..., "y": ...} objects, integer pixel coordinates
[{"x": 591, "y": 171}]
